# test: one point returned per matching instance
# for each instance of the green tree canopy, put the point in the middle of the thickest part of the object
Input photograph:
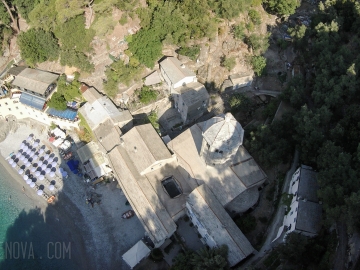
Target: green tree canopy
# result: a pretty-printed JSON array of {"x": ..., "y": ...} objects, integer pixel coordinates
[
  {"x": 281, "y": 7},
  {"x": 57, "y": 101},
  {"x": 258, "y": 64},
  {"x": 37, "y": 46}
]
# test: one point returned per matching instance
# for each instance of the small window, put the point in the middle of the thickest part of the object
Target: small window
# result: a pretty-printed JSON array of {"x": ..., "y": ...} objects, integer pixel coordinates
[
  {"x": 293, "y": 183},
  {"x": 21, "y": 113},
  {"x": 294, "y": 219},
  {"x": 6, "y": 103},
  {"x": 9, "y": 109},
  {"x": 291, "y": 213},
  {"x": 296, "y": 209},
  {"x": 17, "y": 108}
]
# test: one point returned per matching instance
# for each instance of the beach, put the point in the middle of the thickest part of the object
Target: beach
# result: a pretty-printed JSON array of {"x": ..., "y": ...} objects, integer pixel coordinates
[{"x": 95, "y": 234}]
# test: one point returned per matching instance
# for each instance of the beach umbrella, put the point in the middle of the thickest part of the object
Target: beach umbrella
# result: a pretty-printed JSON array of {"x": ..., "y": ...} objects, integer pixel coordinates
[
  {"x": 25, "y": 148},
  {"x": 36, "y": 144},
  {"x": 29, "y": 138},
  {"x": 53, "y": 169},
  {"x": 41, "y": 151},
  {"x": 32, "y": 153},
  {"x": 52, "y": 174},
  {"x": 27, "y": 164},
  {"x": 33, "y": 169},
  {"x": 13, "y": 156},
  {"x": 25, "y": 177},
  {"x": 20, "y": 171},
  {"x": 46, "y": 156},
  {"x": 32, "y": 184},
  {"x": 53, "y": 164},
  {"x": 45, "y": 162},
  {"x": 11, "y": 161},
  {"x": 35, "y": 157},
  {"x": 41, "y": 177},
  {"x": 18, "y": 154},
  {"x": 64, "y": 173},
  {"x": 43, "y": 166},
  {"x": 22, "y": 157},
  {"x": 37, "y": 173},
  {"x": 40, "y": 192},
  {"x": 28, "y": 151},
  {"x": 28, "y": 181},
  {"x": 47, "y": 170},
  {"x": 22, "y": 145},
  {"x": 51, "y": 187},
  {"x": 13, "y": 165},
  {"x": 40, "y": 163}
]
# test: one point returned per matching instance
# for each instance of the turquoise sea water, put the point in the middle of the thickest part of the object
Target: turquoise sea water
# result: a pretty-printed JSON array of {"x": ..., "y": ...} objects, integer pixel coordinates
[{"x": 26, "y": 240}]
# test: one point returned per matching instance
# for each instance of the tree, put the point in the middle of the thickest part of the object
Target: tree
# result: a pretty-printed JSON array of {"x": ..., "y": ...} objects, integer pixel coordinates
[
  {"x": 14, "y": 21},
  {"x": 77, "y": 59},
  {"x": 67, "y": 9},
  {"x": 259, "y": 43},
  {"x": 204, "y": 259},
  {"x": 57, "y": 101},
  {"x": 258, "y": 64},
  {"x": 70, "y": 91},
  {"x": 37, "y": 46},
  {"x": 43, "y": 15},
  {"x": 281, "y": 7},
  {"x": 191, "y": 52},
  {"x": 25, "y": 6},
  {"x": 240, "y": 102},
  {"x": 153, "y": 119},
  {"x": 211, "y": 258}
]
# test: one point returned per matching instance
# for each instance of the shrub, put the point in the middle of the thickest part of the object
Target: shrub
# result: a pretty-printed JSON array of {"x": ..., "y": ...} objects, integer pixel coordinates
[
  {"x": 258, "y": 64},
  {"x": 228, "y": 62},
  {"x": 240, "y": 102},
  {"x": 246, "y": 223},
  {"x": 157, "y": 254},
  {"x": 259, "y": 43},
  {"x": 239, "y": 31},
  {"x": 146, "y": 95},
  {"x": 153, "y": 119},
  {"x": 123, "y": 19},
  {"x": 191, "y": 52},
  {"x": 57, "y": 101},
  {"x": 254, "y": 16}
]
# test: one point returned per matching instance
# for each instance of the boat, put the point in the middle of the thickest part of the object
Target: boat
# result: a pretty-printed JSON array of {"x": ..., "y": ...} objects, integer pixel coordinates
[{"x": 128, "y": 214}]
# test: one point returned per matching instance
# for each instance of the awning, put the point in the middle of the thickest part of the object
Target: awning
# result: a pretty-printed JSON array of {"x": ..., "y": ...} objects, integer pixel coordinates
[
  {"x": 68, "y": 114},
  {"x": 32, "y": 101},
  {"x": 134, "y": 255}
]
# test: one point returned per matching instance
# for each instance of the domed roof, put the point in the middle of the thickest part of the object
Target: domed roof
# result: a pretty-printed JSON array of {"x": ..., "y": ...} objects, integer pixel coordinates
[{"x": 223, "y": 132}]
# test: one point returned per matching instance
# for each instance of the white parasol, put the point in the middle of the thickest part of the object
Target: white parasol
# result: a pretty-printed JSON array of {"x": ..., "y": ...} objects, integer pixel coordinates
[
  {"x": 29, "y": 181},
  {"x": 18, "y": 154},
  {"x": 33, "y": 169},
  {"x": 40, "y": 163},
  {"x": 43, "y": 166},
  {"x": 46, "y": 156},
  {"x": 32, "y": 184},
  {"x": 53, "y": 164},
  {"x": 37, "y": 173},
  {"x": 40, "y": 192},
  {"x": 51, "y": 187},
  {"x": 27, "y": 164},
  {"x": 36, "y": 144},
  {"x": 25, "y": 177},
  {"x": 41, "y": 177},
  {"x": 47, "y": 170},
  {"x": 35, "y": 157},
  {"x": 52, "y": 174},
  {"x": 22, "y": 157},
  {"x": 21, "y": 171},
  {"x": 32, "y": 153},
  {"x": 41, "y": 151},
  {"x": 11, "y": 161},
  {"x": 13, "y": 165}
]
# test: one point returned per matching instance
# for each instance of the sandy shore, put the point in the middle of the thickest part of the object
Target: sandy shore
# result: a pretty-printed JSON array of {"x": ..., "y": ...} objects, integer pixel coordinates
[{"x": 98, "y": 235}]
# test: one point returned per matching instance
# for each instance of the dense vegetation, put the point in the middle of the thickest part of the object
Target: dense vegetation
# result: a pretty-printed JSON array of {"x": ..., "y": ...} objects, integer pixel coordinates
[
  {"x": 214, "y": 258},
  {"x": 325, "y": 127}
]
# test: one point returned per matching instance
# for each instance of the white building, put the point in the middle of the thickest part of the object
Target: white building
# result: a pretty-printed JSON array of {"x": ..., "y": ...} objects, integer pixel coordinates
[
  {"x": 215, "y": 225},
  {"x": 304, "y": 215},
  {"x": 175, "y": 73}
]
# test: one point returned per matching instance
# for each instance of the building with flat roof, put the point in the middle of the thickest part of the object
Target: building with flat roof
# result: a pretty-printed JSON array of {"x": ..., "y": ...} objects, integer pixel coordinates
[
  {"x": 240, "y": 80},
  {"x": 94, "y": 161},
  {"x": 215, "y": 225},
  {"x": 191, "y": 101},
  {"x": 175, "y": 73},
  {"x": 99, "y": 108}
]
